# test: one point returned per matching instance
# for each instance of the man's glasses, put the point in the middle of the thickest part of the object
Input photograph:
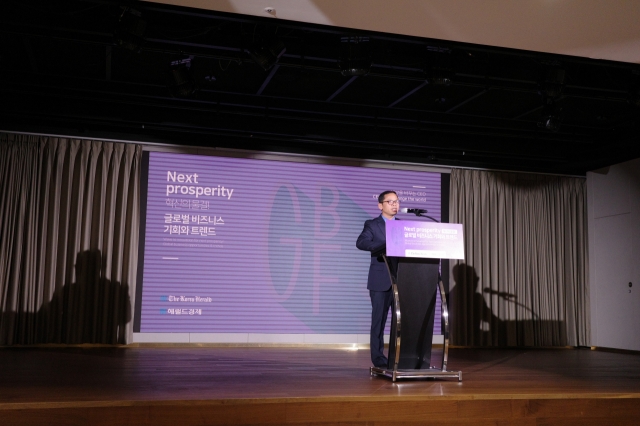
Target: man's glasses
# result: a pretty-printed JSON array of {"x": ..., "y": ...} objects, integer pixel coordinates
[{"x": 392, "y": 202}]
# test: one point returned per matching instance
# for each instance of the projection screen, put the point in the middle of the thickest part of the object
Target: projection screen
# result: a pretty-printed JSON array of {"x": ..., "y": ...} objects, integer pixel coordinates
[{"x": 237, "y": 245}]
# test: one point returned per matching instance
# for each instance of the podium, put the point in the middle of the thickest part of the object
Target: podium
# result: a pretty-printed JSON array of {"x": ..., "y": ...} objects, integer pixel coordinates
[{"x": 414, "y": 284}]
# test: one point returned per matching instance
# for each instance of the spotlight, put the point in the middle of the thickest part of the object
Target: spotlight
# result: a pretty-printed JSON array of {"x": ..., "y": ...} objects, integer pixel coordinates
[
  {"x": 130, "y": 31},
  {"x": 182, "y": 84},
  {"x": 267, "y": 52},
  {"x": 552, "y": 84},
  {"x": 439, "y": 69},
  {"x": 551, "y": 123},
  {"x": 355, "y": 56},
  {"x": 551, "y": 118},
  {"x": 440, "y": 77}
]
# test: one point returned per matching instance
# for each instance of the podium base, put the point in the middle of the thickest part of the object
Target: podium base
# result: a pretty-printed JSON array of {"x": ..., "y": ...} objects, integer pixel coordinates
[{"x": 432, "y": 373}]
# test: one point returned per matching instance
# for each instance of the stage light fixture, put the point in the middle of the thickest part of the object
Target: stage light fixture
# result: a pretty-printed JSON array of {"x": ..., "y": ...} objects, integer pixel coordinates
[
  {"x": 552, "y": 84},
  {"x": 267, "y": 53},
  {"x": 129, "y": 34},
  {"x": 551, "y": 123},
  {"x": 182, "y": 84},
  {"x": 440, "y": 77},
  {"x": 551, "y": 115},
  {"x": 355, "y": 56},
  {"x": 439, "y": 67}
]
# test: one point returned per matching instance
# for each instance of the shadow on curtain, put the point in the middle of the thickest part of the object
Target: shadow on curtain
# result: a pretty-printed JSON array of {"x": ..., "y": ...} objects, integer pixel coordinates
[
  {"x": 69, "y": 237},
  {"x": 524, "y": 280}
]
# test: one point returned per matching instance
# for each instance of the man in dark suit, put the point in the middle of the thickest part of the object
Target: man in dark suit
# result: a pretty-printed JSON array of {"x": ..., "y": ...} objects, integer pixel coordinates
[{"x": 373, "y": 239}]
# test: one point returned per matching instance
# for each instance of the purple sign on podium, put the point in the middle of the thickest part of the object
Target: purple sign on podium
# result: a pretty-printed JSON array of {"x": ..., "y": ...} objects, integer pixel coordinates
[{"x": 409, "y": 238}]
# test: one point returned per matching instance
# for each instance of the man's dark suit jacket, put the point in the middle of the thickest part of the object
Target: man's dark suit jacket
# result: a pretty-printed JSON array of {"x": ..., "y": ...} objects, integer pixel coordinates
[{"x": 373, "y": 239}]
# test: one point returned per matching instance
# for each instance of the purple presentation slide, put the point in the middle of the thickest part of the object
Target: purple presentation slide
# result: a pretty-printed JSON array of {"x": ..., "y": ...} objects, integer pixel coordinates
[
  {"x": 236, "y": 245},
  {"x": 424, "y": 240}
]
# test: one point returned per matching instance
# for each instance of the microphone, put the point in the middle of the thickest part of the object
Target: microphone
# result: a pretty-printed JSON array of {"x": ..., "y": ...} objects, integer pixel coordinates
[
  {"x": 417, "y": 212},
  {"x": 500, "y": 293}
]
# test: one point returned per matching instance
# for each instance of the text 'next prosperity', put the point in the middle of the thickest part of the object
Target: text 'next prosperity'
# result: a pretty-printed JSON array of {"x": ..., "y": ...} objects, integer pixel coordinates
[{"x": 208, "y": 191}]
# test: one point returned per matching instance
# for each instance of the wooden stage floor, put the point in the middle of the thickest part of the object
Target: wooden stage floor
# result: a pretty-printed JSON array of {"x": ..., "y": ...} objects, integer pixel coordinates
[{"x": 312, "y": 386}]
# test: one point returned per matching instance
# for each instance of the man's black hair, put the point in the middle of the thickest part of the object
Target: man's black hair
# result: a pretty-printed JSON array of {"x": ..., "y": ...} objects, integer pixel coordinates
[{"x": 382, "y": 195}]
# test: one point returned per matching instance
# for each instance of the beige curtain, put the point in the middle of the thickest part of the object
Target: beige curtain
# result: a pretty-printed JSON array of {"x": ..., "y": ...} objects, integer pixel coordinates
[
  {"x": 68, "y": 236},
  {"x": 524, "y": 278}
]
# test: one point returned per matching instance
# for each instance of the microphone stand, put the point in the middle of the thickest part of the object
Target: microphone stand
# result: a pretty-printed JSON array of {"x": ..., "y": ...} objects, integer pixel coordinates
[{"x": 428, "y": 217}]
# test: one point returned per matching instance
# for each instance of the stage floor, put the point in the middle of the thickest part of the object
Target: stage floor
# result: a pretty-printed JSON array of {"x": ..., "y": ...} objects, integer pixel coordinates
[{"x": 299, "y": 385}]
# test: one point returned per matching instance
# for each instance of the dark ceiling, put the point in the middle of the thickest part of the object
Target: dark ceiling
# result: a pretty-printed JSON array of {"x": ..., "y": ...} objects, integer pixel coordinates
[{"x": 64, "y": 72}]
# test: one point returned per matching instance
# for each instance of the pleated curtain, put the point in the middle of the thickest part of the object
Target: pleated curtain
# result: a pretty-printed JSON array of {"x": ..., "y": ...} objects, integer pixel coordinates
[
  {"x": 69, "y": 224},
  {"x": 524, "y": 280},
  {"x": 68, "y": 237}
]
